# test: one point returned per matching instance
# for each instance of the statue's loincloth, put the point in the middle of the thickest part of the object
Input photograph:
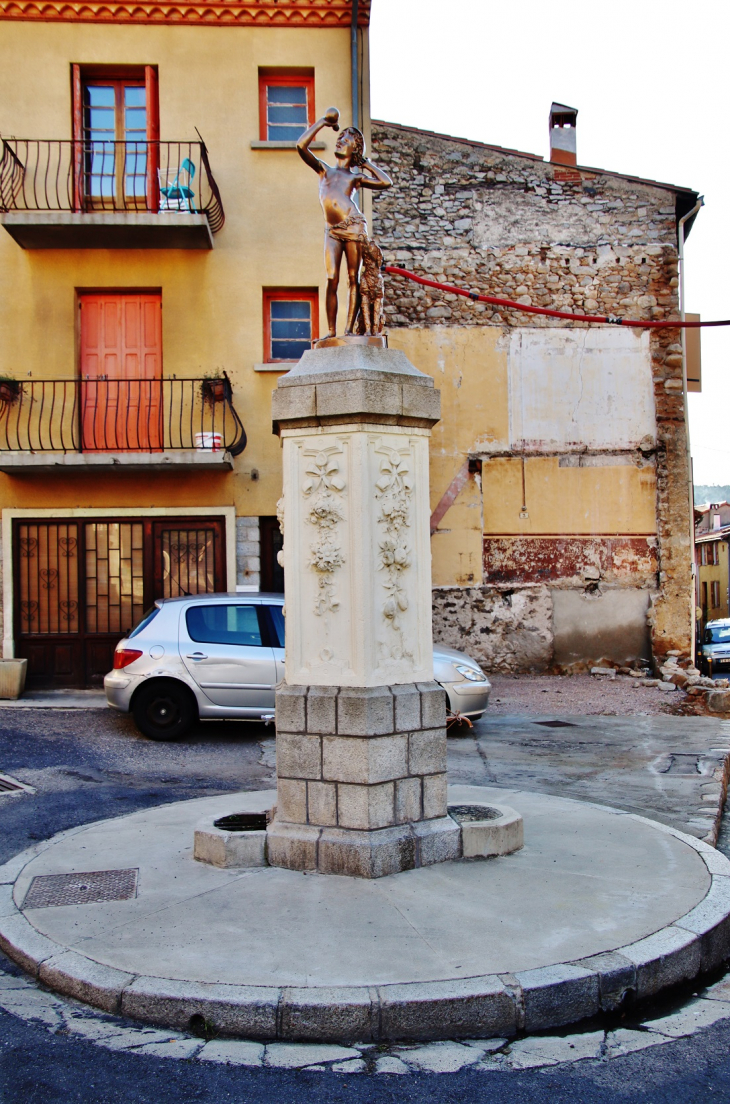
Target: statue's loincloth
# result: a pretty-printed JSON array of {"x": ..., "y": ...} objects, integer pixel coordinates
[{"x": 353, "y": 228}]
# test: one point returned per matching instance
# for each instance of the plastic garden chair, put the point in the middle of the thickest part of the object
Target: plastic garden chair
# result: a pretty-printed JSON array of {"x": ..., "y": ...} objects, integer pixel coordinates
[{"x": 178, "y": 196}]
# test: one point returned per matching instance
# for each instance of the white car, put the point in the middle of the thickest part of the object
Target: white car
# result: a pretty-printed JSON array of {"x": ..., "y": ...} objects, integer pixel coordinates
[{"x": 221, "y": 655}]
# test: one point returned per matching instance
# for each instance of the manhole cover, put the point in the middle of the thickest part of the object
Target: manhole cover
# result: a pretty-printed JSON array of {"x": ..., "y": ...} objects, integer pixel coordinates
[
  {"x": 242, "y": 822},
  {"x": 469, "y": 814},
  {"x": 81, "y": 889},
  {"x": 555, "y": 724}
]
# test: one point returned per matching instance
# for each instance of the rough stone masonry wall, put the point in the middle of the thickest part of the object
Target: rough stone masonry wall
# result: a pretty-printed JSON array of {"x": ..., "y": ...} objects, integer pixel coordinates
[{"x": 514, "y": 226}]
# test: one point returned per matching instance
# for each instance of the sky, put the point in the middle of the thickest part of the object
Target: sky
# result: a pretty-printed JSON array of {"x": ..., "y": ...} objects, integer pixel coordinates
[{"x": 649, "y": 78}]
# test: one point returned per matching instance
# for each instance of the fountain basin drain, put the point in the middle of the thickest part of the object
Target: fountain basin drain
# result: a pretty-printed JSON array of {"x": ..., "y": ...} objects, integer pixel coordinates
[
  {"x": 488, "y": 830},
  {"x": 238, "y": 839}
]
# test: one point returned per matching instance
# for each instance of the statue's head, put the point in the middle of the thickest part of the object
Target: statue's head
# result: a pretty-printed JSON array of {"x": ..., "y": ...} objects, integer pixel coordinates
[{"x": 350, "y": 143}]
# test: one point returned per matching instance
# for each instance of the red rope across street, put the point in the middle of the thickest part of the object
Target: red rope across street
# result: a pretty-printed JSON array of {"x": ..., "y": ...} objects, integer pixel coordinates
[{"x": 610, "y": 318}]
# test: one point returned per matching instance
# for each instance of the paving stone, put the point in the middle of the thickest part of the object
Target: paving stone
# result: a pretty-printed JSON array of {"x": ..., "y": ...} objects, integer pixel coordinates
[
  {"x": 233, "y": 1052},
  {"x": 624, "y": 1041},
  {"x": 665, "y": 958},
  {"x": 339, "y": 1011},
  {"x": 486, "y": 1046},
  {"x": 698, "y": 1013},
  {"x": 98, "y": 1030},
  {"x": 446, "y": 1057},
  {"x": 390, "y": 1064},
  {"x": 7, "y": 981},
  {"x": 74, "y": 975},
  {"x": 558, "y": 994},
  {"x": 171, "y": 1048},
  {"x": 355, "y": 1065},
  {"x": 555, "y": 1048},
  {"x": 299, "y": 1055},
  {"x": 31, "y": 1004},
  {"x": 719, "y": 991}
]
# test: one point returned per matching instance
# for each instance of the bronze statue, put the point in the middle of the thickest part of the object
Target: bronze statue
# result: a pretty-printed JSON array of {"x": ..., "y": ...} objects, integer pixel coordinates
[
  {"x": 372, "y": 289},
  {"x": 346, "y": 229}
]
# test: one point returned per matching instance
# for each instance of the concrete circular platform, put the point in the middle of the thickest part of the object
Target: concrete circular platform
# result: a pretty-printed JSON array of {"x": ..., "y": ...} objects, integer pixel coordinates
[{"x": 597, "y": 905}]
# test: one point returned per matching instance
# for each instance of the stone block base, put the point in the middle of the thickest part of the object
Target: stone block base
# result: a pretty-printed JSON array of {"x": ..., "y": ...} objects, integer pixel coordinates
[
  {"x": 363, "y": 854},
  {"x": 222, "y": 848}
]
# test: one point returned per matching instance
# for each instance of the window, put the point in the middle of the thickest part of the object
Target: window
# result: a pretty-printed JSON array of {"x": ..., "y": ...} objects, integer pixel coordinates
[
  {"x": 286, "y": 104},
  {"x": 224, "y": 625},
  {"x": 276, "y": 614},
  {"x": 291, "y": 322},
  {"x": 116, "y": 127},
  {"x": 715, "y": 553},
  {"x": 715, "y": 595},
  {"x": 703, "y": 555}
]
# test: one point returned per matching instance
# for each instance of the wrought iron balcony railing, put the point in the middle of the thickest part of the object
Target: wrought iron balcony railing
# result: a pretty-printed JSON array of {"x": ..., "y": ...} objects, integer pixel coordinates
[
  {"x": 97, "y": 176},
  {"x": 119, "y": 415}
]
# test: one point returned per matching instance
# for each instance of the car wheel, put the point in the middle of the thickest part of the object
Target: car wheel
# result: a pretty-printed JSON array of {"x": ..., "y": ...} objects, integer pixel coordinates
[{"x": 164, "y": 710}]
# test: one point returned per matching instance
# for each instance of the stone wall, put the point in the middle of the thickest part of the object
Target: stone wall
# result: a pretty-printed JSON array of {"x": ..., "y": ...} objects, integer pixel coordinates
[
  {"x": 248, "y": 553},
  {"x": 514, "y": 226}
]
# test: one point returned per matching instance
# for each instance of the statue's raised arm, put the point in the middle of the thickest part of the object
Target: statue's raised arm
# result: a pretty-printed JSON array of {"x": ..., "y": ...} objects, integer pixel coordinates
[{"x": 329, "y": 119}]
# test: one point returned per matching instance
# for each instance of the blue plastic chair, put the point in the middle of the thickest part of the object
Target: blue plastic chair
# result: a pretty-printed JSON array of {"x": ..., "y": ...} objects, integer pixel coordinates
[{"x": 179, "y": 194}]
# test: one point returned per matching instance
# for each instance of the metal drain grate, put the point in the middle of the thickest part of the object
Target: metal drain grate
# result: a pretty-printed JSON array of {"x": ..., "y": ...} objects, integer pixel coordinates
[
  {"x": 555, "y": 724},
  {"x": 88, "y": 888},
  {"x": 11, "y": 785}
]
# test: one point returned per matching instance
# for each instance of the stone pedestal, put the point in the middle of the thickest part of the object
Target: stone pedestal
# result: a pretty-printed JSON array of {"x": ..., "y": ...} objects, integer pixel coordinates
[{"x": 361, "y": 737}]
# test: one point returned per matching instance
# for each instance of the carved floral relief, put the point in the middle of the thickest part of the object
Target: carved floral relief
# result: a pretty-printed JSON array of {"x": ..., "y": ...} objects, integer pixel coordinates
[
  {"x": 325, "y": 485},
  {"x": 393, "y": 489}
]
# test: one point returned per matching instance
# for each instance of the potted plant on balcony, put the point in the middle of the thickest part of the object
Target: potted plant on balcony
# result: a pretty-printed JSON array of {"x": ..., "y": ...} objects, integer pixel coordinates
[
  {"x": 9, "y": 390},
  {"x": 215, "y": 389}
]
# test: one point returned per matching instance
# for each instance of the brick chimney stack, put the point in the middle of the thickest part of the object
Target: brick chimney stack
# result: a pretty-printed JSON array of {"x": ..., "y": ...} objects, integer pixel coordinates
[{"x": 563, "y": 121}]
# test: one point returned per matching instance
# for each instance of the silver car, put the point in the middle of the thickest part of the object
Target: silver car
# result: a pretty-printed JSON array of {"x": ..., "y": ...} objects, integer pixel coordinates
[{"x": 221, "y": 655}]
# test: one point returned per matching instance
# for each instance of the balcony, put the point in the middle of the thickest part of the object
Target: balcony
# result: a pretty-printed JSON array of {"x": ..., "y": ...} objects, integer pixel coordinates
[
  {"x": 92, "y": 424},
  {"x": 108, "y": 195}
]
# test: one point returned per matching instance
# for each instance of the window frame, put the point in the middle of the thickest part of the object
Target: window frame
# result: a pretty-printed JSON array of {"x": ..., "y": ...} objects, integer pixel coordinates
[
  {"x": 141, "y": 76},
  {"x": 277, "y": 295},
  {"x": 280, "y": 78}
]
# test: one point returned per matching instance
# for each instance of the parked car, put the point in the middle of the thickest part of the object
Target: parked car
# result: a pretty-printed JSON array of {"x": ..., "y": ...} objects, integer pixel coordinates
[
  {"x": 221, "y": 655},
  {"x": 716, "y": 647}
]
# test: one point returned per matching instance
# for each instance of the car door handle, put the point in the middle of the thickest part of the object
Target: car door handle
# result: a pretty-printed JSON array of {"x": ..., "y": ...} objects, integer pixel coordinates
[{"x": 197, "y": 655}]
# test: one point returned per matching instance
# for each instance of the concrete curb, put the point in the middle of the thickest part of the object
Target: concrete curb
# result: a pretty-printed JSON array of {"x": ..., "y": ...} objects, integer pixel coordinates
[{"x": 548, "y": 997}]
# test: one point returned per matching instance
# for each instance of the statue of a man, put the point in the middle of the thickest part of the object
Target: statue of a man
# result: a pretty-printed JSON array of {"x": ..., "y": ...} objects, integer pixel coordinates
[{"x": 345, "y": 226}]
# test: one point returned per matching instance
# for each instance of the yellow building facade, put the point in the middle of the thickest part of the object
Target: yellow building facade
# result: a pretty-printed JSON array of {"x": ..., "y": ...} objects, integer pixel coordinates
[{"x": 126, "y": 365}]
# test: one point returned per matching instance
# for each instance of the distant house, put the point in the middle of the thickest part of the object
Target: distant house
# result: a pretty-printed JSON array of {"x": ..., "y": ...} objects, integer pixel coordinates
[{"x": 713, "y": 560}]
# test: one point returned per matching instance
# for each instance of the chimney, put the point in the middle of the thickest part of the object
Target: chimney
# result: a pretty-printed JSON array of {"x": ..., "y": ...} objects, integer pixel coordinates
[{"x": 562, "y": 134}]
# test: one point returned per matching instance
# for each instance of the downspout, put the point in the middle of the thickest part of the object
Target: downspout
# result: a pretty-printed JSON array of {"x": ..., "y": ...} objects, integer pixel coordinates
[
  {"x": 354, "y": 66},
  {"x": 690, "y": 479}
]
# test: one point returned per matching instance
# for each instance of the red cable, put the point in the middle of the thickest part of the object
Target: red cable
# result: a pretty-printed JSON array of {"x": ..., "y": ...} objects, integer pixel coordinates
[{"x": 612, "y": 319}]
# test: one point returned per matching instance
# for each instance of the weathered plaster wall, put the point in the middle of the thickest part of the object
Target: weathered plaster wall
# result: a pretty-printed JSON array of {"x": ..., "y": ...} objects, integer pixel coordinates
[{"x": 579, "y": 429}]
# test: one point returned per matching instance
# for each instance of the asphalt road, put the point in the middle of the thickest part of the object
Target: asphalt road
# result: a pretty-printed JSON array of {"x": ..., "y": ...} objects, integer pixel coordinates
[{"x": 92, "y": 765}]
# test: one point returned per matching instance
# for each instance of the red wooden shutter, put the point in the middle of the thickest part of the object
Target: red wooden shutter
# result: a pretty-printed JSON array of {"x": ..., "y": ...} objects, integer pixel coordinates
[
  {"x": 153, "y": 137},
  {"x": 78, "y": 137}
]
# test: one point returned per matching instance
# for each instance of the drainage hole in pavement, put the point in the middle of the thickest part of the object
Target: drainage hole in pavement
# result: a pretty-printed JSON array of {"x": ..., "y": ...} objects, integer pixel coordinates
[{"x": 242, "y": 822}]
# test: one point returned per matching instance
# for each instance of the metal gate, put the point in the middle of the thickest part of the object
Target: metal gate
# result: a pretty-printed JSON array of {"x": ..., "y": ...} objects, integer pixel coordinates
[{"x": 82, "y": 585}]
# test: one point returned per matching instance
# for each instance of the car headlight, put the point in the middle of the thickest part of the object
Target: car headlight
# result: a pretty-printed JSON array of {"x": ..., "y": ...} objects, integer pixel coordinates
[{"x": 470, "y": 673}]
